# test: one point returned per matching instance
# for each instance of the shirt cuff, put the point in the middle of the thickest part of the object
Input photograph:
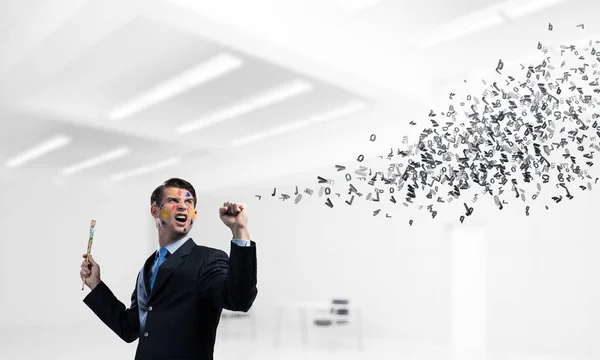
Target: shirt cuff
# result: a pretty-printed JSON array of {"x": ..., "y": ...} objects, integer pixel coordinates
[{"x": 239, "y": 242}]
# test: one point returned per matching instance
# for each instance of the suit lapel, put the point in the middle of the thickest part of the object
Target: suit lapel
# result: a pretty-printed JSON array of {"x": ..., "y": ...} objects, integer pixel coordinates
[
  {"x": 147, "y": 273},
  {"x": 171, "y": 263}
]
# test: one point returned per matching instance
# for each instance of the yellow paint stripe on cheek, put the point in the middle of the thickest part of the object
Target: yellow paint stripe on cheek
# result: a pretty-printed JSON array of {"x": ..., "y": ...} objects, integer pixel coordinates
[{"x": 165, "y": 214}]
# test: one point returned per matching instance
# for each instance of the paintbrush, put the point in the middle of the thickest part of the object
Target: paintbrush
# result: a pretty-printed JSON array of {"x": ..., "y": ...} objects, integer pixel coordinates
[{"x": 89, "y": 248}]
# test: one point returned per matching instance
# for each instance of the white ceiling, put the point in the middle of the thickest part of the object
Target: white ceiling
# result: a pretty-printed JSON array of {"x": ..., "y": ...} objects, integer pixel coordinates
[{"x": 65, "y": 65}]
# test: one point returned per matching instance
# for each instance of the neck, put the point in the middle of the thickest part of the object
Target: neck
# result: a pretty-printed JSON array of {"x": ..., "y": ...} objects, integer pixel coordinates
[{"x": 165, "y": 238}]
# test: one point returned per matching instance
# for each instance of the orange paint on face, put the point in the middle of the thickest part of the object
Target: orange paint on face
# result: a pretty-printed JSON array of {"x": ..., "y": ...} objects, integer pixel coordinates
[{"x": 178, "y": 192}]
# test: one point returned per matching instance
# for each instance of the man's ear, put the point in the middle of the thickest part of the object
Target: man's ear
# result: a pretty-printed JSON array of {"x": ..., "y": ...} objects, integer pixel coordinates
[{"x": 154, "y": 210}]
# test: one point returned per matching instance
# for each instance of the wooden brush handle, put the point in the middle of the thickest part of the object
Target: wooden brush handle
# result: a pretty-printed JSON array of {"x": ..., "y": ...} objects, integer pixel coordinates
[{"x": 89, "y": 248}]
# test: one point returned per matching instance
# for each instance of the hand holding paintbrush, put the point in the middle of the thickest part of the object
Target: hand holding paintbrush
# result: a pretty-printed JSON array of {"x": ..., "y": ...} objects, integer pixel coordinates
[{"x": 90, "y": 270}]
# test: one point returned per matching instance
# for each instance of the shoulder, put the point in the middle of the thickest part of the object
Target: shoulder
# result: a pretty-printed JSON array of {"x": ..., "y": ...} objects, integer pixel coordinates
[{"x": 209, "y": 252}]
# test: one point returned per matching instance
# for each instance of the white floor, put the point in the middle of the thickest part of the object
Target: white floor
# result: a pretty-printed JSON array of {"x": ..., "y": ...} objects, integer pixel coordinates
[{"x": 92, "y": 342}]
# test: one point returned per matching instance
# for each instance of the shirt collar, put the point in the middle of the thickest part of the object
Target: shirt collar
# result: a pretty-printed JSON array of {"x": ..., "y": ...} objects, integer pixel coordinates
[{"x": 172, "y": 247}]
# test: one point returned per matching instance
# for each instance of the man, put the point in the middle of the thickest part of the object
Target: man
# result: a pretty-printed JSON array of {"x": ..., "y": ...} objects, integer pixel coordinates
[{"x": 182, "y": 288}]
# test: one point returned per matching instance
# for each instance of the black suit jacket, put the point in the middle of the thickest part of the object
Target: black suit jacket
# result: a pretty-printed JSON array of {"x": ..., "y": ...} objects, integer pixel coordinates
[{"x": 178, "y": 319}]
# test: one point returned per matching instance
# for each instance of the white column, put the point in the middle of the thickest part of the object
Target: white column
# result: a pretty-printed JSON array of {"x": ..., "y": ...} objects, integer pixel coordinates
[{"x": 468, "y": 293}]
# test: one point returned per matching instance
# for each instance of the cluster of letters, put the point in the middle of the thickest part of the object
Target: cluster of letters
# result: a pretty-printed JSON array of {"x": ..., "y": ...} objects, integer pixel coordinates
[{"x": 528, "y": 135}]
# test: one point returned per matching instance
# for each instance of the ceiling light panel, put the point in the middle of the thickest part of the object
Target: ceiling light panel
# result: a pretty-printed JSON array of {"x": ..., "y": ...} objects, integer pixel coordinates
[
  {"x": 212, "y": 69},
  {"x": 518, "y": 8},
  {"x": 259, "y": 101},
  {"x": 146, "y": 169},
  {"x": 39, "y": 150},
  {"x": 460, "y": 28},
  {"x": 347, "y": 110},
  {"x": 96, "y": 161}
]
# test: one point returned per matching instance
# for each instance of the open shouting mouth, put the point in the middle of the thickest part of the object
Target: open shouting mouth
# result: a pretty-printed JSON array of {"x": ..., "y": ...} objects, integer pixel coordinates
[{"x": 181, "y": 219}]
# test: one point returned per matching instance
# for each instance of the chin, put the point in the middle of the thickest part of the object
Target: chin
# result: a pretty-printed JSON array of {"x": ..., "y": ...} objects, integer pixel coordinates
[{"x": 179, "y": 230}]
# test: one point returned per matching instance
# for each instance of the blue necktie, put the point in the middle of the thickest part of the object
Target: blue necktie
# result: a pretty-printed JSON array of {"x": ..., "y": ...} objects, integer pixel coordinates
[{"x": 162, "y": 255}]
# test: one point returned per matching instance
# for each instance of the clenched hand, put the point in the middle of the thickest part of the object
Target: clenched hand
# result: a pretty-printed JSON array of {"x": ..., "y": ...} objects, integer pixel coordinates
[{"x": 90, "y": 272}]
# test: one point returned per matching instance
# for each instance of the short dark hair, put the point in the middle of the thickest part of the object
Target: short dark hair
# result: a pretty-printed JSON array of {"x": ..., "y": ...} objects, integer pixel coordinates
[{"x": 158, "y": 193}]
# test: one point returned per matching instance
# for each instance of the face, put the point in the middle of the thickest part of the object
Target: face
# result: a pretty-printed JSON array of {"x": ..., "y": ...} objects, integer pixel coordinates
[{"x": 176, "y": 213}]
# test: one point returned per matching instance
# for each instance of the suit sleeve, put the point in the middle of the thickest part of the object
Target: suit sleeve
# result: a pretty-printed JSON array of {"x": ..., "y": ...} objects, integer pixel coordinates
[
  {"x": 124, "y": 322},
  {"x": 230, "y": 283}
]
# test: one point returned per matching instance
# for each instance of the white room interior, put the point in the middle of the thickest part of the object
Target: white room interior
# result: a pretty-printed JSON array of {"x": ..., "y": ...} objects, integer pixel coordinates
[{"x": 501, "y": 285}]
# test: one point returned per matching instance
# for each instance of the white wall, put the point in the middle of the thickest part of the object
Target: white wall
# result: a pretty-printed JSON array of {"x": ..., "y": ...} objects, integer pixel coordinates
[
  {"x": 45, "y": 228},
  {"x": 541, "y": 294},
  {"x": 540, "y": 276},
  {"x": 309, "y": 252}
]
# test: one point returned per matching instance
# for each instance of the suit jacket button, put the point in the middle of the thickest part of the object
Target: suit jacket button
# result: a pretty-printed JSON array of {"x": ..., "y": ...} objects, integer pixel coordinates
[
  {"x": 146, "y": 334},
  {"x": 150, "y": 308}
]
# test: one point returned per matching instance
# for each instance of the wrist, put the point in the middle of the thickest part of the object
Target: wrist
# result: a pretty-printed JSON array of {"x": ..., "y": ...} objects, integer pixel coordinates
[
  {"x": 92, "y": 286},
  {"x": 240, "y": 232}
]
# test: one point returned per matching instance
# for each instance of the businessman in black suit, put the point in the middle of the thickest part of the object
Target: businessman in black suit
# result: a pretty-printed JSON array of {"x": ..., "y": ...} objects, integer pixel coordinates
[{"x": 182, "y": 288}]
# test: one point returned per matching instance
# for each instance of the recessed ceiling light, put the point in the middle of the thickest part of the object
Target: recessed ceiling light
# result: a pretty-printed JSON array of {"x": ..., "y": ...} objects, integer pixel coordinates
[
  {"x": 519, "y": 8},
  {"x": 262, "y": 100},
  {"x": 39, "y": 150},
  {"x": 346, "y": 110},
  {"x": 458, "y": 29},
  {"x": 146, "y": 169},
  {"x": 207, "y": 71},
  {"x": 96, "y": 161}
]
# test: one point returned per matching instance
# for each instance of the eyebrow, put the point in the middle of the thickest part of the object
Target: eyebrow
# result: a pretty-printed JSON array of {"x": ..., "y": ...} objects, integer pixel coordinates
[{"x": 175, "y": 198}]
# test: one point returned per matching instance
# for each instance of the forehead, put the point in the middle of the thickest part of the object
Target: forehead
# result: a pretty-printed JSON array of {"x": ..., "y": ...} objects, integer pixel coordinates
[{"x": 177, "y": 193}]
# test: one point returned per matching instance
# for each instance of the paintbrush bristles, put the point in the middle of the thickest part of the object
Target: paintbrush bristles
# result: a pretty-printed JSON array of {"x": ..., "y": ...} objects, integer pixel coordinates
[{"x": 93, "y": 223}]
